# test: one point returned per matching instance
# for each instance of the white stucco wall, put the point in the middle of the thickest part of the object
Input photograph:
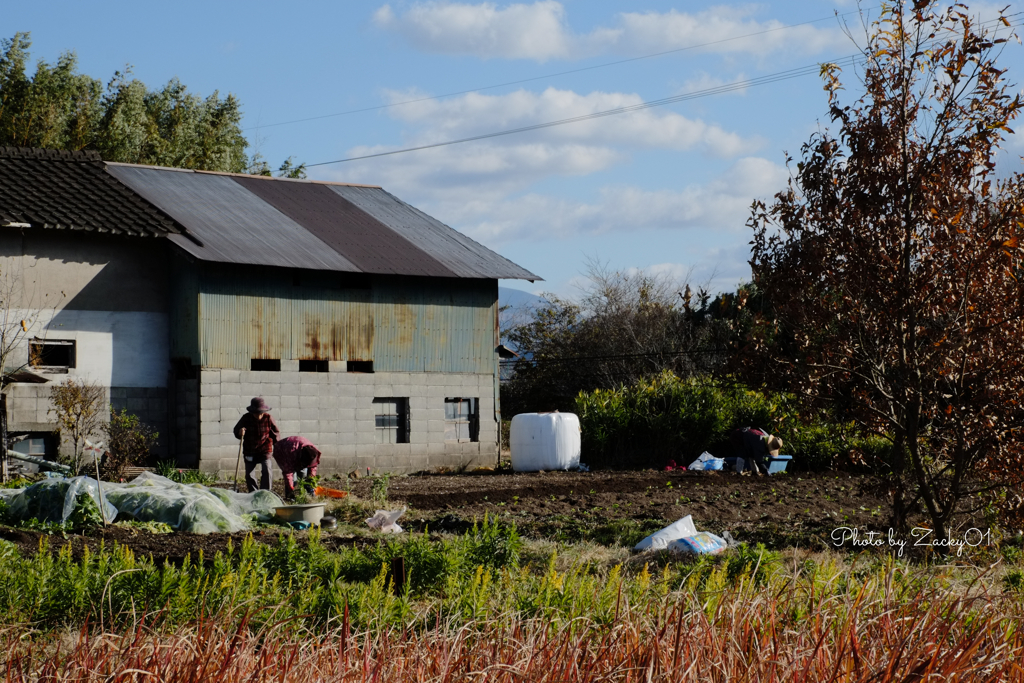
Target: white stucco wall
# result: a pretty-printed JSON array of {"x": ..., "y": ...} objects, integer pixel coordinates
[{"x": 112, "y": 348}]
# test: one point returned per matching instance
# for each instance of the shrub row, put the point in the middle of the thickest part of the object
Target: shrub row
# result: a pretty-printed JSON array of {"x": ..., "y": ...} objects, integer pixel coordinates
[{"x": 665, "y": 418}]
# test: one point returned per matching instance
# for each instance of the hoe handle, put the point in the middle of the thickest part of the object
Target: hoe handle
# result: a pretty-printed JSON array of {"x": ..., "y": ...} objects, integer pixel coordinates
[{"x": 239, "y": 461}]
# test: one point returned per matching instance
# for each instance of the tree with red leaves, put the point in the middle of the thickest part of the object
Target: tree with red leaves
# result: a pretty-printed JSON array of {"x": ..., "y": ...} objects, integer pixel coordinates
[{"x": 893, "y": 266}]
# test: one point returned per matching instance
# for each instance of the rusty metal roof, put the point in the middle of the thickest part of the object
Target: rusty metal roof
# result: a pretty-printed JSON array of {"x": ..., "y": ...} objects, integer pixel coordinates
[
  {"x": 233, "y": 225},
  {"x": 43, "y": 188},
  {"x": 309, "y": 224},
  {"x": 460, "y": 254}
]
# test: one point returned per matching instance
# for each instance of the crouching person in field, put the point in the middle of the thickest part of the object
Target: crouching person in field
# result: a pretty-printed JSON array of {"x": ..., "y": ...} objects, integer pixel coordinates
[
  {"x": 755, "y": 446},
  {"x": 293, "y": 455}
]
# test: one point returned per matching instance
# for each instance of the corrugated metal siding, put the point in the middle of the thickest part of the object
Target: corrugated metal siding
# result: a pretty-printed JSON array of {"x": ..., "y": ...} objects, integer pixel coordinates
[
  {"x": 403, "y": 325},
  {"x": 326, "y": 328}
]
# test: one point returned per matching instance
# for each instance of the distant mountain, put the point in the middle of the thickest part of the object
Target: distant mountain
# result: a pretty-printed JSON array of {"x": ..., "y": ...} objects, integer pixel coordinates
[
  {"x": 521, "y": 306},
  {"x": 517, "y": 298}
]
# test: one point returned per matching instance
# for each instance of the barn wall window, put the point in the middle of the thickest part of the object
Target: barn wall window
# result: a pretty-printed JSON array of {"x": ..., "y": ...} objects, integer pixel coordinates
[
  {"x": 391, "y": 420},
  {"x": 462, "y": 419},
  {"x": 51, "y": 355}
]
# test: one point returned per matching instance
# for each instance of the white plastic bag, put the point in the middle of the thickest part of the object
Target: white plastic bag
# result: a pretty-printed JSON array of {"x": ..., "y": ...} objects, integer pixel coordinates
[
  {"x": 660, "y": 540},
  {"x": 701, "y": 543},
  {"x": 386, "y": 521},
  {"x": 706, "y": 461}
]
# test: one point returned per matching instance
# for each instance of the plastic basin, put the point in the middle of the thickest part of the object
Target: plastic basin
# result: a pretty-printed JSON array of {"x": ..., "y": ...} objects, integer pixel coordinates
[{"x": 311, "y": 513}]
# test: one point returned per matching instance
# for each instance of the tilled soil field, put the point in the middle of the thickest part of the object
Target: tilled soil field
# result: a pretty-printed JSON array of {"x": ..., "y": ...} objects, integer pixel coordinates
[
  {"x": 623, "y": 507},
  {"x": 605, "y": 507}
]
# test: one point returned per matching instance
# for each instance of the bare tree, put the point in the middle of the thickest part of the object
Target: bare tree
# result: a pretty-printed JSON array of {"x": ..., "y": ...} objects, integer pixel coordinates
[
  {"x": 79, "y": 408},
  {"x": 626, "y": 325},
  {"x": 894, "y": 265}
]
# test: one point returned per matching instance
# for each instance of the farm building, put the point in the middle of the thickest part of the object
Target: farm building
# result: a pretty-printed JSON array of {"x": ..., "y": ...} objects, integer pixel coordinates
[{"x": 368, "y": 326}]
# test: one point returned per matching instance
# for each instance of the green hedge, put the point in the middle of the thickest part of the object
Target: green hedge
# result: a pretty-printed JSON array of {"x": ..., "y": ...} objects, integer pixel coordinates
[{"x": 667, "y": 418}]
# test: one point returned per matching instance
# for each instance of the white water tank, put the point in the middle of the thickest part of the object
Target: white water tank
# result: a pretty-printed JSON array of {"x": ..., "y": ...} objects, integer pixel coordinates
[{"x": 545, "y": 441}]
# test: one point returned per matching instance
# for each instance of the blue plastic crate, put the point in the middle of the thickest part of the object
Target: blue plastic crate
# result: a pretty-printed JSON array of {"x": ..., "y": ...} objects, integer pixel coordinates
[{"x": 775, "y": 464}]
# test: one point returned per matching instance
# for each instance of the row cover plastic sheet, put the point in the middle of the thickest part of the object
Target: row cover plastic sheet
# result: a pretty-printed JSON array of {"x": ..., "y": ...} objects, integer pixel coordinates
[
  {"x": 150, "y": 498},
  {"x": 53, "y": 500}
]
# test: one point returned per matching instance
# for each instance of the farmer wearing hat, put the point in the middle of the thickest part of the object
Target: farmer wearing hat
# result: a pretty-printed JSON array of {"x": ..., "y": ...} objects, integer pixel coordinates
[
  {"x": 258, "y": 433},
  {"x": 755, "y": 446}
]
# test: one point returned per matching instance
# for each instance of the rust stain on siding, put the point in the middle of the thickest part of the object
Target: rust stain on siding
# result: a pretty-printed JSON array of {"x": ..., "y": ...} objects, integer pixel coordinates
[{"x": 313, "y": 350}]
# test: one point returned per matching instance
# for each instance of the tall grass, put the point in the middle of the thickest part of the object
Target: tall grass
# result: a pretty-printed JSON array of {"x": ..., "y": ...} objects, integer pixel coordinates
[
  {"x": 666, "y": 418},
  {"x": 889, "y": 624}
]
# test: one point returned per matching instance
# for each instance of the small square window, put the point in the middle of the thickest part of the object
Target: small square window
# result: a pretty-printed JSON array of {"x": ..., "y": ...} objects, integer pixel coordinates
[
  {"x": 391, "y": 420},
  {"x": 265, "y": 364},
  {"x": 314, "y": 366},
  {"x": 51, "y": 355},
  {"x": 31, "y": 445},
  {"x": 461, "y": 419},
  {"x": 360, "y": 366}
]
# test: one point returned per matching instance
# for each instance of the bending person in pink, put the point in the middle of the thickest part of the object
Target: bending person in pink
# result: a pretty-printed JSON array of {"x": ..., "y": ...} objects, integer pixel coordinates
[{"x": 294, "y": 454}]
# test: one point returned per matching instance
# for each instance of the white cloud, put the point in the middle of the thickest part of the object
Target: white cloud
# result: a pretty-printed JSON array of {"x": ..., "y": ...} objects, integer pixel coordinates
[
  {"x": 722, "y": 205},
  {"x": 475, "y": 114},
  {"x": 540, "y": 31},
  {"x": 479, "y": 173},
  {"x": 640, "y": 32},
  {"x": 518, "y": 31}
]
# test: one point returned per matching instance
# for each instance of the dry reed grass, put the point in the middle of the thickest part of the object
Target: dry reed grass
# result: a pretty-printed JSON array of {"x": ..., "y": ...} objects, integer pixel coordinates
[{"x": 889, "y": 627}]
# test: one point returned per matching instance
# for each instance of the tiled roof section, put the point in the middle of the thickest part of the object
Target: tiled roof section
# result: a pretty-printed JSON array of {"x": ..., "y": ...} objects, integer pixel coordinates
[{"x": 71, "y": 190}]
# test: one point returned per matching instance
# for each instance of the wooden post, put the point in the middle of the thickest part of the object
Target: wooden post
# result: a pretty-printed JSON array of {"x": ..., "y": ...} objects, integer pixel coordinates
[
  {"x": 3, "y": 435},
  {"x": 99, "y": 488}
]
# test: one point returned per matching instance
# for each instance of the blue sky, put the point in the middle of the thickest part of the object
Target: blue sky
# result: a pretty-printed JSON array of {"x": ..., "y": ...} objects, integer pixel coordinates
[{"x": 667, "y": 189}]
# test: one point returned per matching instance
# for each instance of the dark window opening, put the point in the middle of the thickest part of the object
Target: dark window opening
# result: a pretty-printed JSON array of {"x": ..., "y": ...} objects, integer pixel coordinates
[
  {"x": 391, "y": 420},
  {"x": 461, "y": 419},
  {"x": 314, "y": 365},
  {"x": 37, "y": 444},
  {"x": 327, "y": 280},
  {"x": 360, "y": 366},
  {"x": 354, "y": 281},
  {"x": 265, "y": 364},
  {"x": 51, "y": 355},
  {"x": 183, "y": 368}
]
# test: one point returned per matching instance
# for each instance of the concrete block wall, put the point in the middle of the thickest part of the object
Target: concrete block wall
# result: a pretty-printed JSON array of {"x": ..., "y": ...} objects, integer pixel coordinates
[
  {"x": 335, "y": 410},
  {"x": 28, "y": 410}
]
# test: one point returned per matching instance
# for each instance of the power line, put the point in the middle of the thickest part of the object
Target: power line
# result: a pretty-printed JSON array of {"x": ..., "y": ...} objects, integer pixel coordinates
[
  {"x": 707, "y": 92},
  {"x": 851, "y": 60},
  {"x": 552, "y": 75}
]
